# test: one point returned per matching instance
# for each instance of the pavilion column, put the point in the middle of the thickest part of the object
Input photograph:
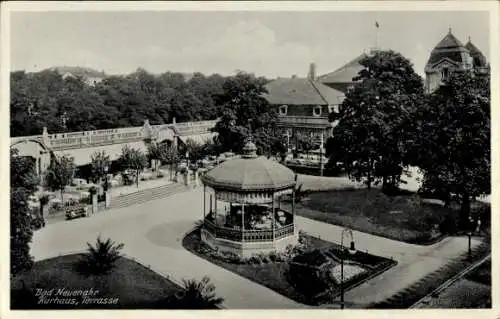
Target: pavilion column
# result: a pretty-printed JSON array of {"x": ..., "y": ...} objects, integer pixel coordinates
[
  {"x": 204, "y": 202},
  {"x": 242, "y": 221},
  {"x": 210, "y": 205},
  {"x": 273, "y": 214},
  {"x": 215, "y": 208}
]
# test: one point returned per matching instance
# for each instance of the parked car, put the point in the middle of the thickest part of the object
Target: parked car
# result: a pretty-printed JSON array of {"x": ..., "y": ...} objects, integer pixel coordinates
[{"x": 76, "y": 211}]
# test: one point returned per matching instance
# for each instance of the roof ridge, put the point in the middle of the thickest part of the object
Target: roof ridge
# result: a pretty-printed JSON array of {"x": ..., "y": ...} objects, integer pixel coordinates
[
  {"x": 318, "y": 91},
  {"x": 345, "y": 66}
]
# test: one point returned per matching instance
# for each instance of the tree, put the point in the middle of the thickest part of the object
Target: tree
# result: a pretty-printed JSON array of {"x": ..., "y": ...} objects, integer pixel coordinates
[
  {"x": 195, "y": 150},
  {"x": 374, "y": 117},
  {"x": 60, "y": 173},
  {"x": 246, "y": 112},
  {"x": 452, "y": 139},
  {"x": 99, "y": 163},
  {"x": 170, "y": 156},
  {"x": 133, "y": 159},
  {"x": 23, "y": 183},
  {"x": 197, "y": 295},
  {"x": 101, "y": 257}
]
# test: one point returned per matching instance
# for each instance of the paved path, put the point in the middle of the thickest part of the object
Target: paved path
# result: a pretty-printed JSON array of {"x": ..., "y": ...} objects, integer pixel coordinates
[{"x": 152, "y": 232}]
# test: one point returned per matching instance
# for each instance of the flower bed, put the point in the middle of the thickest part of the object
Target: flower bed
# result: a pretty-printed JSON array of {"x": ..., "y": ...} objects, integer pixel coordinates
[
  {"x": 301, "y": 273},
  {"x": 350, "y": 272}
]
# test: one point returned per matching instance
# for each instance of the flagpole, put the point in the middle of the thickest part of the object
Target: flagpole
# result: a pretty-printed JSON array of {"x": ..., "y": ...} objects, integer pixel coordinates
[{"x": 376, "y": 35}]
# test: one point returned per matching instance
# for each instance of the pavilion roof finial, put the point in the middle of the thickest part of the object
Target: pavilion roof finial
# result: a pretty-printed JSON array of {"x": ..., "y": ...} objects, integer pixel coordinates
[{"x": 249, "y": 150}]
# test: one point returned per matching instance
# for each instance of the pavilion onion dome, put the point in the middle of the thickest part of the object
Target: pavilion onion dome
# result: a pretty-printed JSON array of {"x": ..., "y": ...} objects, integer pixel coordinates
[
  {"x": 451, "y": 49},
  {"x": 250, "y": 173},
  {"x": 477, "y": 56}
]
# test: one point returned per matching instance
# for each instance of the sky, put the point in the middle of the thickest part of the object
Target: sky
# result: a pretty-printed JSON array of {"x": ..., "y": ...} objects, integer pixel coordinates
[{"x": 271, "y": 44}]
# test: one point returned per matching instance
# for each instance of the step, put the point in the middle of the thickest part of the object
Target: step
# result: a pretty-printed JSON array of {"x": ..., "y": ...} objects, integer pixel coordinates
[{"x": 147, "y": 195}]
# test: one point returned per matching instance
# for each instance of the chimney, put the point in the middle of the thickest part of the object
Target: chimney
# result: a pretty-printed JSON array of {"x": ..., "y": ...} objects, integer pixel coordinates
[
  {"x": 173, "y": 121},
  {"x": 312, "y": 72}
]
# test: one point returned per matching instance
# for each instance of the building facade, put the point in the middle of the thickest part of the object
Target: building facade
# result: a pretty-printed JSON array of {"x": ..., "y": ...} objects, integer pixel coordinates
[
  {"x": 303, "y": 105},
  {"x": 450, "y": 55}
]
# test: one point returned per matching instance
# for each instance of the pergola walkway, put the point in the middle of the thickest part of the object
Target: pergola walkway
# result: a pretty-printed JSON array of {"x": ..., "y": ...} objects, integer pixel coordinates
[{"x": 152, "y": 233}]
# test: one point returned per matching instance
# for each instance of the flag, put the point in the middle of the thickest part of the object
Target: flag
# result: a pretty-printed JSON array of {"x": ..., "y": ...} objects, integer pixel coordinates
[{"x": 376, "y": 24}]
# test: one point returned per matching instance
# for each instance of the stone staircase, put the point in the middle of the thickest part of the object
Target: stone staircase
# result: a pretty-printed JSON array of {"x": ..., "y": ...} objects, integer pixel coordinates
[
  {"x": 147, "y": 195},
  {"x": 407, "y": 297}
]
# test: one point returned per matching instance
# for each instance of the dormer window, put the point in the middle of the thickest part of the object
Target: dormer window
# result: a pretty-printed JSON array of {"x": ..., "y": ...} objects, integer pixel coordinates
[
  {"x": 283, "y": 110},
  {"x": 445, "y": 73},
  {"x": 317, "y": 111}
]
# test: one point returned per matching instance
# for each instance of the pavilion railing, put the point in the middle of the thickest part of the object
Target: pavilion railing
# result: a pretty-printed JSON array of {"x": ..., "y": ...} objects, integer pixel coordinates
[{"x": 248, "y": 235}]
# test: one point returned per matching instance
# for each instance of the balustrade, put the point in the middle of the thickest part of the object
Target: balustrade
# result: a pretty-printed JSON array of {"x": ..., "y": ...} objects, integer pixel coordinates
[
  {"x": 113, "y": 136},
  {"x": 248, "y": 235}
]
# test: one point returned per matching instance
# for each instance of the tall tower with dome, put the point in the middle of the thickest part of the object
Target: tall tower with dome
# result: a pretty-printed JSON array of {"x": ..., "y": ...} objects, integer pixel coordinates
[{"x": 450, "y": 55}]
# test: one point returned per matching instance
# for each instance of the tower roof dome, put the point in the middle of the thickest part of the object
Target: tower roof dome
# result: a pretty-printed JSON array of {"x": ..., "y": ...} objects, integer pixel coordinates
[
  {"x": 449, "y": 48},
  {"x": 477, "y": 56}
]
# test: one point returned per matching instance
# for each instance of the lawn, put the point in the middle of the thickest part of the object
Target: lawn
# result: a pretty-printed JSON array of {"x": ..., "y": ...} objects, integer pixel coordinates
[
  {"x": 405, "y": 217},
  {"x": 133, "y": 285},
  {"x": 481, "y": 274},
  {"x": 280, "y": 277}
]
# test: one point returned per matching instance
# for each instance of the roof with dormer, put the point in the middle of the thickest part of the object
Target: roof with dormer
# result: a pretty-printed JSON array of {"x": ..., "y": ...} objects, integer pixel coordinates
[
  {"x": 449, "y": 49},
  {"x": 301, "y": 91}
]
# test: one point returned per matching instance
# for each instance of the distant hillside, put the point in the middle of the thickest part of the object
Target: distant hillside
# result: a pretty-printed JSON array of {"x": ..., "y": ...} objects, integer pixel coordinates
[{"x": 79, "y": 71}]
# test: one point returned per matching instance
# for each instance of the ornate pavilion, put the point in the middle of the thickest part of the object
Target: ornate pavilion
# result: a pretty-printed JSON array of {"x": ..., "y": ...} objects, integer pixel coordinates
[{"x": 242, "y": 212}]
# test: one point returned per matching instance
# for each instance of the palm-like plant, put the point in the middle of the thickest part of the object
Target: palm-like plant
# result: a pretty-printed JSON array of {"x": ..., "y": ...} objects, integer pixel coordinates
[
  {"x": 197, "y": 295},
  {"x": 101, "y": 258}
]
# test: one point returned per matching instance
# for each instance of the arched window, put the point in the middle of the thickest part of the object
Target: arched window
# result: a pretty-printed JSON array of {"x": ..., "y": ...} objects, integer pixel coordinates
[
  {"x": 317, "y": 111},
  {"x": 283, "y": 110}
]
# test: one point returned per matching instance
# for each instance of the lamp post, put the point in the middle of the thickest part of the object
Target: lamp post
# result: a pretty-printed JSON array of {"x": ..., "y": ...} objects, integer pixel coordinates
[
  {"x": 469, "y": 234},
  {"x": 106, "y": 186},
  {"x": 352, "y": 251}
]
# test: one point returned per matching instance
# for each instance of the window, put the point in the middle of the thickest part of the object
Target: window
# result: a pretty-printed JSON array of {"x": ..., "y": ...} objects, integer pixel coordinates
[
  {"x": 283, "y": 110},
  {"x": 317, "y": 111},
  {"x": 445, "y": 73}
]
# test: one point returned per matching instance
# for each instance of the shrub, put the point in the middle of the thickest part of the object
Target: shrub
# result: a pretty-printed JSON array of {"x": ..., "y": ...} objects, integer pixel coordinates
[
  {"x": 92, "y": 191},
  {"x": 197, "y": 295},
  {"x": 273, "y": 256},
  {"x": 449, "y": 225},
  {"x": 44, "y": 200},
  {"x": 306, "y": 280},
  {"x": 101, "y": 258}
]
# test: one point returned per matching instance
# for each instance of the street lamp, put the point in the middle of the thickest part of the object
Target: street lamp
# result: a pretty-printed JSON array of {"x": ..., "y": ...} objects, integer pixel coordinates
[
  {"x": 352, "y": 251},
  {"x": 469, "y": 234},
  {"x": 106, "y": 186}
]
